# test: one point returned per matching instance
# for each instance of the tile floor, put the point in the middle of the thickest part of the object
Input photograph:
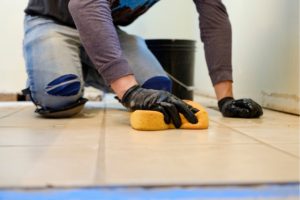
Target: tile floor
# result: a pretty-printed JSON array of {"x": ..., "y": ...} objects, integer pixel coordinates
[{"x": 99, "y": 148}]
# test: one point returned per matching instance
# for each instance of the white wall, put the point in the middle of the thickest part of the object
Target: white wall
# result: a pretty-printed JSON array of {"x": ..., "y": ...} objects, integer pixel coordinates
[
  {"x": 266, "y": 51},
  {"x": 265, "y": 46},
  {"x": 168, "y": 19},
  {"x": 12, "y": 70}
]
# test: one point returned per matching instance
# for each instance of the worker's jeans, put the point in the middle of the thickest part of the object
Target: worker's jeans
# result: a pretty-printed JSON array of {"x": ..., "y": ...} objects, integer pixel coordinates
[{"x": 58, "y": 66}]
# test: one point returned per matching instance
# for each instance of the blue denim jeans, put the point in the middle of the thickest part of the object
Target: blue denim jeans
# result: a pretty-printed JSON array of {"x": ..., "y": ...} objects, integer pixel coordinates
[{"x": 58, "y": 67}]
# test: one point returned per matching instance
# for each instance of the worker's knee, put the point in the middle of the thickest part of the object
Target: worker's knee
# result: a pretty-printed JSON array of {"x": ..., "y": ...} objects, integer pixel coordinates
[
  {"x": 158, "y": 83},
  {"x": 61, "y": 94}
]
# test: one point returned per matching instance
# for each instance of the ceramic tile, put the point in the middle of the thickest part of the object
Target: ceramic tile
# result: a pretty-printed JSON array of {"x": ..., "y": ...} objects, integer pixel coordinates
[
  {"x": 270, "y": 119},
  {"x": 213, "y": 156},
  {"x": 117, "y": 123},
  {"x": 45, "y": 136},
  {"x": 272, "y": 129},
  {"x": 98, "y": 147},
  {"x": 156, "y": 164},
  {"x": 8, "y": 111},
  {"x": 273, "y": 135},
  {"x": 293, "y": 149},
  {"x": 278, "y": 130},
  {"x": 41, "y": 166},
  {"x": 90, "y": 116}
]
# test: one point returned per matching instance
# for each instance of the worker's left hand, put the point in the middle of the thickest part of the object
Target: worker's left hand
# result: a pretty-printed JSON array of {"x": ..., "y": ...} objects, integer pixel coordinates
[{"x": 241, "y": 108}]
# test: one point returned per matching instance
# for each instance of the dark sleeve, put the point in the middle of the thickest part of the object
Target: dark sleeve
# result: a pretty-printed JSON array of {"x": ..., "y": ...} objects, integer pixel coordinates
[
  {"x": 216, "y": 36},
  {"x": 99, "y": 37}
]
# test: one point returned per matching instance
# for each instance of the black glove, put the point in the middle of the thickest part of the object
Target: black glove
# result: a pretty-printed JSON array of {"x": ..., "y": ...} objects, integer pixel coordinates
[
  {"x": 242, "y": 108},
  {"x": 137, "y": 98}
]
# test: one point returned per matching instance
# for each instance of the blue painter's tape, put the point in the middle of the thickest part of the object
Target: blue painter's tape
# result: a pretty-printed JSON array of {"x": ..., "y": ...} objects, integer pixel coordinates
[{"x": 239, "y": 193}]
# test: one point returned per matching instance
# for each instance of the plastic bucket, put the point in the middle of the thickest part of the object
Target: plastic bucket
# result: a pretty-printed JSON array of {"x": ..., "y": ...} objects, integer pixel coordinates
[{"x": 177, "y": 57}]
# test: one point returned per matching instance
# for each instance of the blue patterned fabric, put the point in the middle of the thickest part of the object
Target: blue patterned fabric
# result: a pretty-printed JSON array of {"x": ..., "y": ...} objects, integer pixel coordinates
[
  {"x": 134, "y": 4},
  {"x": 125, "y": 12}
]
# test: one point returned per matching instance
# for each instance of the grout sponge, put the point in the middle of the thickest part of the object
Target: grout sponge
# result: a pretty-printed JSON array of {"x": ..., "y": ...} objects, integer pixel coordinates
[{"x": 148, "y": 120}]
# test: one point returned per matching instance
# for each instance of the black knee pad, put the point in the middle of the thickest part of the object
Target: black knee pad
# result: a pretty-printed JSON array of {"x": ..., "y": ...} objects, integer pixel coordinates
[
  {"x": 64, "y": 112},
  {"x": 67, "y": 111}
]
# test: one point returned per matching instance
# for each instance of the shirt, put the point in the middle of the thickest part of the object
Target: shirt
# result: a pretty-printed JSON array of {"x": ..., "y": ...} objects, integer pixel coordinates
[
  {"x": 124, "y": 12},
  {"x": 96, "y": 20}
]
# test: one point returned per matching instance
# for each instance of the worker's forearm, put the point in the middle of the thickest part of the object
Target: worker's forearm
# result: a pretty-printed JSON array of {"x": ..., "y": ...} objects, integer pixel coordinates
[
  {"x": 216, "y": 36},
  {"x": 99, "y": 37},
  {"x": 121, "y": 85}
]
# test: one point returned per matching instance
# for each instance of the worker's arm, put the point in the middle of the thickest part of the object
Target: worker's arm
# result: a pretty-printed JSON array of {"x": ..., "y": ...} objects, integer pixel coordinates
[
  {"x": 98, "y": 35},
  {"x": 216, "y": 35},
  {"x": 215, "y": 30}
]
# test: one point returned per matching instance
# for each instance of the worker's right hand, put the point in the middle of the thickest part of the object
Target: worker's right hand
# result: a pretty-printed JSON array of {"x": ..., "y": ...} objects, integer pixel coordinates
[{"x": 137, "y": 98}]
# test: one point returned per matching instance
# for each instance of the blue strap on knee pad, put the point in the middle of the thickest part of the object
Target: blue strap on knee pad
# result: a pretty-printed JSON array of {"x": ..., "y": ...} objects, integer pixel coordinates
[
  {"x": 66, "y": 85},
  {"x": 158, "y": 83}
]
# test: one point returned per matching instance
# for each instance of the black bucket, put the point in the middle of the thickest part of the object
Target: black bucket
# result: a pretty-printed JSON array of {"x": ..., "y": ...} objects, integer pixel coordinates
[{"x": 178, "y": 59}]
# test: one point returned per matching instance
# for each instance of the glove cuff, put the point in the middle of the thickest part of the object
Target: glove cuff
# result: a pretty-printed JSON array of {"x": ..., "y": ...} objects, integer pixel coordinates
[
  {"x": 223, "y": 101},
  {"x": 128, "y": 93}
]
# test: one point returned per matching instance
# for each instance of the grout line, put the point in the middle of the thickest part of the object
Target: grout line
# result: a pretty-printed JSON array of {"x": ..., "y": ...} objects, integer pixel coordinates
[
  {"x": 150, "y": 186},
  {"x": 9, "y": 114},
  {"x": 44, "y": 146},
  {"x": 100, "y": 162},
  {"x": 258, "y": 140}
]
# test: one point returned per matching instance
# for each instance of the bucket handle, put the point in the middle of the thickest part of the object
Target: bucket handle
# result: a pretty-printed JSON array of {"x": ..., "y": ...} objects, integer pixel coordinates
[{"x": 188, "y": 88}]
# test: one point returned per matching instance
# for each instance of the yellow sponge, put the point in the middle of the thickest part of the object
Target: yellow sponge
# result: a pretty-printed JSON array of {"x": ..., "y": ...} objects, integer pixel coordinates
[{"x": 147, "y": 120}]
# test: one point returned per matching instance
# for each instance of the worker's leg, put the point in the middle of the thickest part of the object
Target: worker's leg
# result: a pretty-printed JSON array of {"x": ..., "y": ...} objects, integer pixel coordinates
[
  {"x": 146, "y": 68},
  {"x": 51, "y": 53}
]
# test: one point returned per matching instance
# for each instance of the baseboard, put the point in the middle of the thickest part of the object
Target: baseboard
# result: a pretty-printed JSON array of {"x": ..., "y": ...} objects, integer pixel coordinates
[
  {"x": 9, "y": 97},
  {"x": 281, "y": 102}
]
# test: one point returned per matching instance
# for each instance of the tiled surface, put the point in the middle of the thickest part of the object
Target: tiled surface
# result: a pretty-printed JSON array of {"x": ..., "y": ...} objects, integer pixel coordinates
[
  {"x": 217, "y": 155},
  {"x": 98, "y": 147},
  {"x": 289, "y": 148},
  {"x": 47, "y": 166},
  {"x": 25, "y": 128},
  {"x": 27, "y": 118},
  {"x": 9, "y": 110},
  {"x": 276, "y": 129},
  {"x": 45, "y": 136},
  {"x": 270, "y": 119}
]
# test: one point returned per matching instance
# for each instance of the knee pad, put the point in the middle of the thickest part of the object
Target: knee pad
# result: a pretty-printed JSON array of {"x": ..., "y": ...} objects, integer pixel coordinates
[
  {"x": 67, "y": 111},
  {"x": 61, "y": 112},
  {"x": 158, "y": 83}
]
